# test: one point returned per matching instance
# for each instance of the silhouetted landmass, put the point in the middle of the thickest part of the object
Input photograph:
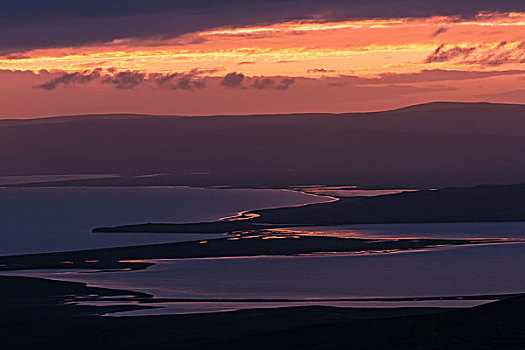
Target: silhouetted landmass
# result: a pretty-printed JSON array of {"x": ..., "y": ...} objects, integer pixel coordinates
[
  {"x": 34, "y": 317},
  {"x": 487, "y": 203},
  {"x": 424, "y": 146},
  {"x": 133, "y": 257},
  {"x": 23, "y": 297}
]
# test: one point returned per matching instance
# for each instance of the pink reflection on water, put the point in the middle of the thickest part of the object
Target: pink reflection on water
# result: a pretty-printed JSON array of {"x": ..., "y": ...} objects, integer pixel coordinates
[
  {"x": 395, "y": 232},
  {"x": 347, "y": 191},
  {"x": 243, "y": 215}
]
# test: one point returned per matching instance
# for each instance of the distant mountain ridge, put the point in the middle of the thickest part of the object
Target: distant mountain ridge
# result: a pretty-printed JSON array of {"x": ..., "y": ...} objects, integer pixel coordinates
[
  {"x": 419, "y": 106},
  {"x": 428, "y": 145}
]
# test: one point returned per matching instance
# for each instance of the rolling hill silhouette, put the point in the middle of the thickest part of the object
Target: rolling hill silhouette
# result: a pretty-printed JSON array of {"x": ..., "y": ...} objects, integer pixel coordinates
[{"x": 430, "y": 145}]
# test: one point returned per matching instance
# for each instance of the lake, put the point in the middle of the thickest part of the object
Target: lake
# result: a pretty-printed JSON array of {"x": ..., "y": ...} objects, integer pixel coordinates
[
  {"x": 472, "y": 270},
  {"x": 52, "y": 219},
  {"x": 35, "y": 220}
]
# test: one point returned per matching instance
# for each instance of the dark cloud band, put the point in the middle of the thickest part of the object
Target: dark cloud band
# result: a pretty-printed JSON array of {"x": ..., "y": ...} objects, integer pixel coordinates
[
  {"x": 28, "y": 24},
  {"x": 197, "y": 79},
  {"x": 475, "y": 55}
]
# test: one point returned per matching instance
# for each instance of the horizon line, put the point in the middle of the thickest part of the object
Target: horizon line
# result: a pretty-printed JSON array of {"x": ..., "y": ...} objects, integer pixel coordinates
[{"x": 123, "y": 114}]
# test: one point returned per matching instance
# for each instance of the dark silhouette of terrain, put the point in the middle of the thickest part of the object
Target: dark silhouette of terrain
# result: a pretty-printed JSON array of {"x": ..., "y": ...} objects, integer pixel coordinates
[
  {"x": 430, "y": 145},
  {"x": 34, "y": 316},
  {"x": 486, "y": 203},
  {"x": 133, "y": 257}
]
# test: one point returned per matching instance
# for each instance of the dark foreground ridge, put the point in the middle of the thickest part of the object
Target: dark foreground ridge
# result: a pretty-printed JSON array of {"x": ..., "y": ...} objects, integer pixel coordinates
[
  {"x": 35, "y": 316},
  {"x": 486, "y": 203}
]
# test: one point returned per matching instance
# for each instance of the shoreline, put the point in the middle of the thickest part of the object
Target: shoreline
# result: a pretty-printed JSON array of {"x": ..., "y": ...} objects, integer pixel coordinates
[
  {"x": 140, "y": 257},
  {"x": 485, "y": 203},
  {"x": 41, "y": 308}
]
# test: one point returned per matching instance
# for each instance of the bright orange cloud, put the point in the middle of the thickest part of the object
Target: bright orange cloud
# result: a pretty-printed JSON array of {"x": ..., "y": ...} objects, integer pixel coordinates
[
  {"x": 362, "y": 47},
  {"x": 303, "y": 66}
]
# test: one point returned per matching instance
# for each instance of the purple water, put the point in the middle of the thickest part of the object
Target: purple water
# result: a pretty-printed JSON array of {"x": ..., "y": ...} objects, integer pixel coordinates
[{"x": 34, "y": 220}]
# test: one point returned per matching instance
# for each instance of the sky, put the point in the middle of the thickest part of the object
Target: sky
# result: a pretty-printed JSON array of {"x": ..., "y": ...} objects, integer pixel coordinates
[{"x": 201, "y": 57}]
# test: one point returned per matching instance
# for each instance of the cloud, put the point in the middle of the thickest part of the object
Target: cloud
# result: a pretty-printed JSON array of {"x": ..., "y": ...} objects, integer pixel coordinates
[
  {"x": 198, "y": 79},
  {"x": 17, "y": 56},
  {"x": 320, "y": 70},
  {"x": 284, "y": 84},
  {"x": 193, "y": 80},
  {"x": 92, "y": 64},
  {"x": 198, "y": 40},
  {"x": 426, "y": 75},
  {"x": 429, "y": 75},
  {"x": 126, "y": 80},
  {"x": 269, "y": 83},
  {"x": 83, "y": 77},
  {"x": 440, "y": 30},
  {"x": 190, "y": 81},
  {"x": 119, "y": 8},
  {"x": 31, "y": 24},
  {"x": 233, "y": 80},
  {"x": 263, "y": 83},
  {"x": 502, "y": 53},
  {"x": 441, "y": 54},
  {"x": 178, "y": 81}
]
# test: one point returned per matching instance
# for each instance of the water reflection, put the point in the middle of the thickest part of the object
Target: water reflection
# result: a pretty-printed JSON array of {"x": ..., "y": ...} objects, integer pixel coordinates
[
  {"x": 465, "y": 270},
  {"x": 467, "y": 230},
  {"x": 347, "y": 191},
  {"x": 60, "y": 219}
]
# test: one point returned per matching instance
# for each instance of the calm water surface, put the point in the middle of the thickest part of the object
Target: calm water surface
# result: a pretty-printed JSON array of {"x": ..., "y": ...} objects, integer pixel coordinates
[
  {"x": 467, "y": 230},
  {"x": 469, "y": 270},
  {"x": 46, "y": 219},
  {"x": 36, "y": 220}
]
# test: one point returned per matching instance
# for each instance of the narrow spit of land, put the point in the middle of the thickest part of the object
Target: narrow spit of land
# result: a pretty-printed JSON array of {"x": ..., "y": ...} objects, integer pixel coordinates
[
  {"x": 136, "y": 257},
  {"x": 486, "y": 203}
]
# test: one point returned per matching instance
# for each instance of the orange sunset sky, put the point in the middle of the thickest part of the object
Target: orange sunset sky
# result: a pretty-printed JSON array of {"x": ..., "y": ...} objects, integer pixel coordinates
[{"x": 296, "y": 65}]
